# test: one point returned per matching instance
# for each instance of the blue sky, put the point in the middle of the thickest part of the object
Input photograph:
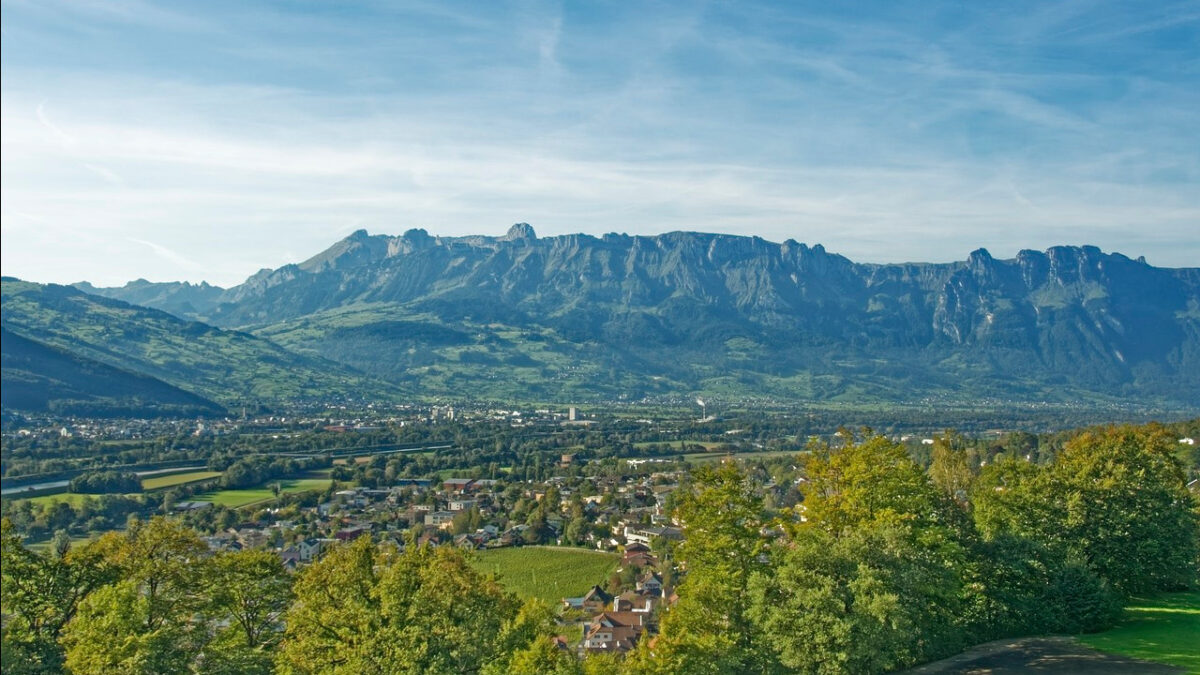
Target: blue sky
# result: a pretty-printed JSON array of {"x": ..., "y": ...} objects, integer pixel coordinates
[{"x": 207, "y": 140}]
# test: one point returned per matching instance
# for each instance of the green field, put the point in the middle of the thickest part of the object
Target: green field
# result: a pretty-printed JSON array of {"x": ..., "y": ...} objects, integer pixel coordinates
[
  {"x": 72, "y": 498},
  {"x": 546, "y": 572},
  {"x": 236, "y": 498},
  {"x": 1165, "y": 629},
  {"x": 679, "y": 444},
  {"x": 170, "y": 480}
]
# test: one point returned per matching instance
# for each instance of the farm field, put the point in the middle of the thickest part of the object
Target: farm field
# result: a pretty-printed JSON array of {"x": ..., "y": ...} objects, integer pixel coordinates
[
  {"x": 1162, "y": 629},
  {"x": 236, "y": 498},
  {"x": 701, "y": 457},
  {"x": 679, "y": 444},
  {"x": 170, "y": 480},
  {"x": 72, "y": 498},
  {"x": 547, "y": 573}
]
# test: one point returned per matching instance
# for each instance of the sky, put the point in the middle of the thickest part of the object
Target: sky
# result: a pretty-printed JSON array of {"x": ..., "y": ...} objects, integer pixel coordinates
[{"x": 207, "y": 140}]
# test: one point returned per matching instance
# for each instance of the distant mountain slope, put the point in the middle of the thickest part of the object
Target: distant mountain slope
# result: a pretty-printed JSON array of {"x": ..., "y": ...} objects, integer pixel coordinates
[
  {"x": 38, "y": 377},
  {"x": 179, "y": 298},
  {"x": 225, "y": 366},
  {"x": 579, "y": 316}
]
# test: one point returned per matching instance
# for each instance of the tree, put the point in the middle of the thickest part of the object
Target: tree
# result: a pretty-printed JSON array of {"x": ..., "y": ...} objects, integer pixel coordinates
[
  {"x": 870, "y": 600},
  {"x": 1114, "y": 499},
  {"x": 1127, "y": 509},
  {"x": 250, "y": 592},
  {"x": 40, "y": 595},
  {"x": 708, "y": 630},
  {"x": 150, "y": 621},
  {"x": 950, "y": 470},
  {"x": 865, "y": 483},
  {"x": 365, "y": 610}
]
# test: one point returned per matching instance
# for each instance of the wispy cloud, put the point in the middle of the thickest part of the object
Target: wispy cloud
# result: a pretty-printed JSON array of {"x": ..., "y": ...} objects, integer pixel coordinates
[
  {"x": 169, "y": 255},
  {"x": 884, "y": 138}
]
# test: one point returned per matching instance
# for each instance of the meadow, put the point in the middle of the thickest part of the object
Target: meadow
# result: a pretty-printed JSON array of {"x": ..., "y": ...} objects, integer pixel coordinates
[
  {"x": 262, "y": 493},
  {"x": 547, "y": 573},
  {"x": 73, "y": 498},
  {"x": 171, "y": 480},
  {"x": 1165, "y": 629}
]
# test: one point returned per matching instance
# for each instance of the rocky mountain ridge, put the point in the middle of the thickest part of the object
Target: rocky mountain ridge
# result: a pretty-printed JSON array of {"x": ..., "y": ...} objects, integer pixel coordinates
[{"x": 693, "y": 311}]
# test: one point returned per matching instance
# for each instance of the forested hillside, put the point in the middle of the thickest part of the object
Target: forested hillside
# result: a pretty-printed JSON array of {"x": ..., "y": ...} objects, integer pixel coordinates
[
  {"x": 38, "y": 377},
  {"x": 229, "y": 367}
]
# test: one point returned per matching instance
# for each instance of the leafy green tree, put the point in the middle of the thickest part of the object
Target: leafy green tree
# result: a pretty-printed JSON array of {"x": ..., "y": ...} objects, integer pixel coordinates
[
  {"x": 708, "y": 630},
  {"x": 950, "y": 470},
  {"x": 865, "y": 483},
  {"x": 1114, "y": 499},
  {"x": 1018, "y": 586},
  {"x": 150, "y": 621},
  {"x": 872, "y": 577},
  {"x": 250, "y": 592},
  {"x": 524, "y": 645},
  {"x": 366, "y": 610},
  {"x": 868, "y": 601},
  {"x": 41, "y": 593}
]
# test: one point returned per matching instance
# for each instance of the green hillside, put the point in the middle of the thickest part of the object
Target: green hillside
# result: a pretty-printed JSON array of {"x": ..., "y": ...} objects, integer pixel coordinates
[
  {"x": 43, "y": 378},
  {"x": 229, "y": 367}
]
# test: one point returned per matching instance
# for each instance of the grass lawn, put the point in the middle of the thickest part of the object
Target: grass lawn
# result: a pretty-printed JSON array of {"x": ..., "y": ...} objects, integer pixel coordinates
[
  {"x": 546, "y": 572},
  {"x": 156, "y": 482},
  {"x": 1165, "y": 629},
  {"x": 236, "y": 498}
]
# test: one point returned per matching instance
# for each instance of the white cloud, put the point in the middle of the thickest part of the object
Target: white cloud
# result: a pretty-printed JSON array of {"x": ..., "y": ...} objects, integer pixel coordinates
[{"x": 869, "y": 139}]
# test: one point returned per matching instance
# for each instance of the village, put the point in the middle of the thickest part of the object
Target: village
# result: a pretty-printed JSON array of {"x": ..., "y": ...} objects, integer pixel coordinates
[{"x": 625, "y": 516}]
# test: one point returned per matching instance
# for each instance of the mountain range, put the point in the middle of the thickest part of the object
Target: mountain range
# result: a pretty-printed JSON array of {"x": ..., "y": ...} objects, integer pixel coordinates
[{"x": 576, "y": 317}]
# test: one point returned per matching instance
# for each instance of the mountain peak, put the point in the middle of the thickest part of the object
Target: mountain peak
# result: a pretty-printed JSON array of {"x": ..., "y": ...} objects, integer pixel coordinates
[{"x": 520, "y": 231}]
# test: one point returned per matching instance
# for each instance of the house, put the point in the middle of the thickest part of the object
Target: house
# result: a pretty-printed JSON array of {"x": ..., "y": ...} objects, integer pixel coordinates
[
  {"x": 458, "y": 485},
  {"x": 617, "y": 632},
  {"x": 351, "y": 533},
  {"x": 644, "y": 535},
  {"x": 630, "y": 601},
  {"x": 309, "y": 549},
  {"x": 462, "y": 504},
  {"x": 440, "y": 519},
  {"x": 222, "y": 542},
  {"x": 650, "y": 584},
  {"x": 595, "y": 600},
  {"x": 290, "y": 557},
  {"x": 468, "y": 541},
  {"x": 636, "y": 547}
]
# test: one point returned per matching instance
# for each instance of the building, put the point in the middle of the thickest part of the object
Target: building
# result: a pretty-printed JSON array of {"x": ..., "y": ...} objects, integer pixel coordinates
[
  {"x": 440, "y": 519},
  {"x": 458, "y": 485},
  {"x": 617, "y": 632}
]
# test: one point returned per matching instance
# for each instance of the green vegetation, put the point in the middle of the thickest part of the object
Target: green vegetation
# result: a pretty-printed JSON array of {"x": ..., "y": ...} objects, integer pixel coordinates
[
  {"x": 858, "y": 555},
  {"x": 75, "y": 499},
  {"x": 546, "y": 573},
  {"x": 885, "y": 565},
  {"x": 363, "y": 609},
  {"x": 243, "y": 497},
  {"x": 229, "y": 367},
  {"x": 1164, "y": 628},
  {"x": 171, "y": 480}
]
